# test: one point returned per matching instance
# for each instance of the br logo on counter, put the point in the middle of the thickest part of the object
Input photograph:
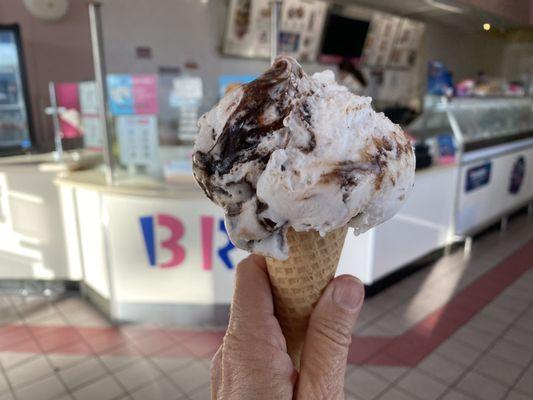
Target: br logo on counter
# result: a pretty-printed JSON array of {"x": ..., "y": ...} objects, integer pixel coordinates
[{"x": 176, "y": 232}]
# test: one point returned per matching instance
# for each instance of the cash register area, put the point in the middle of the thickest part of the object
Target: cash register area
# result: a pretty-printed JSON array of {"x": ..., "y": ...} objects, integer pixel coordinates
[{"x": 116, "y": 273}]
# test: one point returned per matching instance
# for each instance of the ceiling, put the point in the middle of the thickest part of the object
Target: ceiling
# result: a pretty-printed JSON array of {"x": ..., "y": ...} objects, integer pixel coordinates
[{"x": 451, "y": 13}]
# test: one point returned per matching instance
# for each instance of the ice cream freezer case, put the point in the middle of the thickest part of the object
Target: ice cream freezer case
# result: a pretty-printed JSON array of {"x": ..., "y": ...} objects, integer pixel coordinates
[{"x": 493, "y": 145}]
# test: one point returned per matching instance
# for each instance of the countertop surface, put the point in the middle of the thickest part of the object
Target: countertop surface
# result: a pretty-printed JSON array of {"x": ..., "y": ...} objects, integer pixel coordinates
[
  {"x": 50, "y": 162},
  {"x": 183, "y": 186}
]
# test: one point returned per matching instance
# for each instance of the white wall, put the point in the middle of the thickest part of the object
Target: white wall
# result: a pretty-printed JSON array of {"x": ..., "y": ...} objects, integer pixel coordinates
[
  {"x": 518, "y": 60},
  {"x": 176, "y": 31},
  {"x": 464, "y": 53}
]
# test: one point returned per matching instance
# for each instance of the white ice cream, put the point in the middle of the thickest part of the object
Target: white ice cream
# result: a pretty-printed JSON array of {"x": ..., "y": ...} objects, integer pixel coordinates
[{"x": 289, "y": 150}]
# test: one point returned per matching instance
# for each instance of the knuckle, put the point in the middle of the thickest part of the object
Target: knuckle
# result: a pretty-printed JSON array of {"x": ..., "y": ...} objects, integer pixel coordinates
[
  {"x": 241, "y": 265},
  {"x": 245, "y": 349},
  {"x": 336, "y": 331},
  {"x": 248, "y": 327}
]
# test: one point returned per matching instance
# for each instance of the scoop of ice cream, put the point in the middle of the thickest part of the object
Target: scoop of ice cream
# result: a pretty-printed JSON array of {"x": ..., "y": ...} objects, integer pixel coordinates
[{"x": 292, "y": 150}]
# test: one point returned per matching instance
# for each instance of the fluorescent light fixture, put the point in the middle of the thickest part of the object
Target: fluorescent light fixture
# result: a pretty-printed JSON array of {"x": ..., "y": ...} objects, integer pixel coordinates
[{"x": 445, "y": 6}]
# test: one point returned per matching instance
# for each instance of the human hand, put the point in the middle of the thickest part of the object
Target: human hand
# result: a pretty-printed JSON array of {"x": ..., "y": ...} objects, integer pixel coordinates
[{"x": 253, "y": 363}]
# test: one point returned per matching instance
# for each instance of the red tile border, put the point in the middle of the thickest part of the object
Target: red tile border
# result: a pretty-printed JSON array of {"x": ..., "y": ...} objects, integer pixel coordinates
[
  {"x": 104, "y": 341},
  {"x": 407, "y": 349},
  {"x": 175, "y": 351},
  {"x": 126, "y": 350},
  {"x": 27, "y": 346},
  {"x": 419, "y": 341},
  {"x": 153, "y": 343},
  {"x": 204, "y": 344},
  {"x": 364, "y": 348},
  {"x": 11, "y": 335},
  {"x": 384, "y": 359},
  {"x": 62, "y": 338},
  {"x": 78, "y": 348}
]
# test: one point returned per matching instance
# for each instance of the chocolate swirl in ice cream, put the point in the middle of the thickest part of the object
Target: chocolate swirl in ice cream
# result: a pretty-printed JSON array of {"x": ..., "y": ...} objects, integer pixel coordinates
[
  {"x": 289, "y": 150},
  {"x": 246, "y": 126}
]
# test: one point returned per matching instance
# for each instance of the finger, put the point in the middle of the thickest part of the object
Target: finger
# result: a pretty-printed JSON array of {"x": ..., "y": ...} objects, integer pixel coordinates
[
  {"x": 252, "y": 286},
  {"x": 254, "y": 359},
  {"x": 216, "y": 373},
  {"x": 328, "y": 339},
  {"x": 252, "y": 308}
]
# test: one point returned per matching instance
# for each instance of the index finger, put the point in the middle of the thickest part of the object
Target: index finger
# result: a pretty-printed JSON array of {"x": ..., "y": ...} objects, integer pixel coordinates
[{"x": 252, "y": 298}]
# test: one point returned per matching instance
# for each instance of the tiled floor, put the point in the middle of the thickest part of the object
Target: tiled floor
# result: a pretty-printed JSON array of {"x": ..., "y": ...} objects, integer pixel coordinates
[{"x": 460, "y": 329}]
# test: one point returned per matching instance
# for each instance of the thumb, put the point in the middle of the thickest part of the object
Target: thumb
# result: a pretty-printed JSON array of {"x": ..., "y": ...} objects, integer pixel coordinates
[{"x": 328, "y": 338}]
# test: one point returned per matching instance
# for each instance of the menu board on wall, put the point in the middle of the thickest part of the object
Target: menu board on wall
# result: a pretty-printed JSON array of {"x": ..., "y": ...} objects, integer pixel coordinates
[
  {"x": 248, "y": 28},
  {"x": 380, "y": 39},
  {"x": 392, "y": 41},
  {"x": 302, "y": 23},
  {"x": 405, "y": 48}
]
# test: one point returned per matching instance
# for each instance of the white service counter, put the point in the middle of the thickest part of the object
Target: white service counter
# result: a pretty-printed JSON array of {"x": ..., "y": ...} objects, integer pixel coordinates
[
  {"x": 32, "y": 238},
  {"x": 153, "y": 253}
]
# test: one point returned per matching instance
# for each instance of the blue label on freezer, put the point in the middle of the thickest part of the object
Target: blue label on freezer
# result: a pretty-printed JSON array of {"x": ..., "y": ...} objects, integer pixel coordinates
[
  {"x": 477, "y": 176},
  {"x": 446, "y": 145},
  {"x": 517, "y": 175}
]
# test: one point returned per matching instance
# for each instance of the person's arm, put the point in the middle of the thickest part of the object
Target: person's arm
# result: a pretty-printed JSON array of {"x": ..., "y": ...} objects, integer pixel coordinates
[{"x": 253, "y": 363}]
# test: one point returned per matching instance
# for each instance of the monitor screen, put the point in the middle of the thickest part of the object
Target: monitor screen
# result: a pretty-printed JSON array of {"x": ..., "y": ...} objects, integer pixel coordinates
[
  {"x": 344, "y": 37},
  {"x": 14, "y": 122}
]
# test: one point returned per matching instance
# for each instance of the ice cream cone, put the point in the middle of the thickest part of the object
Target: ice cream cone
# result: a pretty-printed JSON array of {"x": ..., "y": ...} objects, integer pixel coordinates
[{"x": 299, "y": 281}]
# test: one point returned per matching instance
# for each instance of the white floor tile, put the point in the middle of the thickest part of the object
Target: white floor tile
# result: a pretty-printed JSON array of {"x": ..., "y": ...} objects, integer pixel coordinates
[{"x": 103, "y": 389}]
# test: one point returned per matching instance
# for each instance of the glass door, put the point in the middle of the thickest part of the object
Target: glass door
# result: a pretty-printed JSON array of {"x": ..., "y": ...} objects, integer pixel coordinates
[{"x": 15, "y": 130}]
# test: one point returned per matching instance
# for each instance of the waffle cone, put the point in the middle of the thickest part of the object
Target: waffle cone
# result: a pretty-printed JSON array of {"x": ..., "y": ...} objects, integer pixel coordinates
[{"x": 298, "y": 282}]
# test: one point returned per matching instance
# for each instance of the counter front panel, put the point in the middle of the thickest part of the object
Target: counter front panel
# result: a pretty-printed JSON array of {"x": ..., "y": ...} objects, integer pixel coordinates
[{"x": 165, "y": 250}]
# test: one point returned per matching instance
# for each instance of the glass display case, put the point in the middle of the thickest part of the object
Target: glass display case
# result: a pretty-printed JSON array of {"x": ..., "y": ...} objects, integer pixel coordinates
[
  {"x": 475, "y": 123},
  {"x": 15, "y": 127}
]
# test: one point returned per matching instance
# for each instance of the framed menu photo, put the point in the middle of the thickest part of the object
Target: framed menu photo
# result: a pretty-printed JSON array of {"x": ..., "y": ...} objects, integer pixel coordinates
[
  {"x": 406, "y": 46},
  {"x": 248, "y": 28},
  {"x": 392, "y": 41},
  {"x": 380, "y": 39}
]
